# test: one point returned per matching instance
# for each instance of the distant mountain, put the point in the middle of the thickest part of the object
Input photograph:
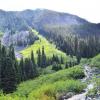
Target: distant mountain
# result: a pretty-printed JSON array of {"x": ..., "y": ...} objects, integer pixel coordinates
[
  {"x": 46, "y": 21},
  {"x": 40, "y": 18}
]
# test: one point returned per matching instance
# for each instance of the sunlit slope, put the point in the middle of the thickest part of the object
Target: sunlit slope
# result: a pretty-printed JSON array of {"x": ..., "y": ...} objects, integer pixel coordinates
[{"x": 50, "y": 49}]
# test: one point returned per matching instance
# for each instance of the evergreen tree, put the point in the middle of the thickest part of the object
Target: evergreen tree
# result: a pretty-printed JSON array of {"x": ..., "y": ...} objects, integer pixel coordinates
[
  {"x": 78, "y": 58},
  {"x": 18, "y": 71},
  {"x": 39, "y": 58},
  {"x": 30, "y": 70},
  {"x": 32, "y": 58},
  {"x": 61, "y": 61},
  {"x": 22, "y": 70},
  {"x": 66, "y": 65},
  {"x": 0, "y": 61},
  {"x": 55, "y": 58},
  {"x": 56, "y": 66},
  {"x": 8, "y": 76},
  {"x": 43, "y": 58}
]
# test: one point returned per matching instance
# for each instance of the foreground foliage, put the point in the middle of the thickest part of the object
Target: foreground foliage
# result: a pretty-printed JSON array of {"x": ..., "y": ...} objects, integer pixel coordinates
[
  {"x": 50, "y": 86},
  {"x": 95, "y": 62}
]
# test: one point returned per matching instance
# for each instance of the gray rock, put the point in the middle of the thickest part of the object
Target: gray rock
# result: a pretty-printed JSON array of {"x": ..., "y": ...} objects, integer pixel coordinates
[{"x": 66, "y": 96}]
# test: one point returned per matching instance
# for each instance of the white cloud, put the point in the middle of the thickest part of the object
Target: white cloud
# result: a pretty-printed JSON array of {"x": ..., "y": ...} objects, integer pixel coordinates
[{"x": 88, "y": 9}]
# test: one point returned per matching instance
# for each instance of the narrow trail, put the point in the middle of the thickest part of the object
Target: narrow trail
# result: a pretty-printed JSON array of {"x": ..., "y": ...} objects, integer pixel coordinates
[{"x": 89, "y": 74}]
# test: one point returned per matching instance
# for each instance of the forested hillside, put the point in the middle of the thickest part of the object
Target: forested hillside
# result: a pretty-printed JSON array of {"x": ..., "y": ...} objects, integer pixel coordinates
[
  {"x": 48, "y": 55},
  {"x": 67, "y": 31}
]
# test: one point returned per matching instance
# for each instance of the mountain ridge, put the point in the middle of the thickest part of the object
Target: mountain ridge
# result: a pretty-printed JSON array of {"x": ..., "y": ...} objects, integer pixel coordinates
[
  {"x": 43, "y": 9},
  {"x": 55, "y": 26},
  {"x": 35, "y": 15}
]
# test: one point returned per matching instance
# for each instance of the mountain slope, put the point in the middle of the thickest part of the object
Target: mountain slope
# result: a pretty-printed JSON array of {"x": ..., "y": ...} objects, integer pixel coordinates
[
  {"x": 62, "y": 29},
  {"x": 19, "y": 38},
  {"x": 46, "y": 22},
  {"x": 49, "y": 48},
  {"x": 40, "y": 18}
]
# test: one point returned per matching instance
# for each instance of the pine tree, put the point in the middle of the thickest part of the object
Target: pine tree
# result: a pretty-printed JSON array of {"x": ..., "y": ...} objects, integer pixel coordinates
[
  {"x": 56, "y": 66},
  {"x": 43, "y": 58},
  {"x": 61, "y": 61},
  {"x": 8, "y": 75},
  {"x": 39, "y": 58},
  {"x": 32, "y": 58},
  {"x": 0, "y": 62},
  {"x": 18, "y": 71},
  {"x": 30, "y": 70},
  {"x": 12, "y": 53},
  {"x": 22, "y": 69},
  {"x": 78, "y": 58},
  {"x": 67, "y": 65}
]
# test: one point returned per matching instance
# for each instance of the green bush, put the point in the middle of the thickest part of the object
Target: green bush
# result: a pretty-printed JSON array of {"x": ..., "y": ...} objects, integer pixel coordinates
[
  {"x": 71, "y": 73},
  {"x": 95, "y": 62},
  {"x": 51, "y": 90}
]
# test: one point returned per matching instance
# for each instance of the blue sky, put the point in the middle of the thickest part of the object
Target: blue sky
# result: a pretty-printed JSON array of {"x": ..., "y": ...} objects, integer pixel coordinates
[{"x": 88, "y": 9}]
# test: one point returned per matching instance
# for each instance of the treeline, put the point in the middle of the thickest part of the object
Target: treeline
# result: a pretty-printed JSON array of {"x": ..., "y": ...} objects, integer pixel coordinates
[
  {"x": 80, "y": 47},
  {"x": 13, "y": 71},
  {"x": 86, "y": 46},
  {"x": 8, "y": 66}
]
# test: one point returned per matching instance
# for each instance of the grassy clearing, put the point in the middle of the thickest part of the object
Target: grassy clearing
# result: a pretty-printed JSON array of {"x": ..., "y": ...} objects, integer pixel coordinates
[
  {"x": 53, "y": 91},
  {"x": 50, "y": 49},
  {"x": 27, "y": 87}
]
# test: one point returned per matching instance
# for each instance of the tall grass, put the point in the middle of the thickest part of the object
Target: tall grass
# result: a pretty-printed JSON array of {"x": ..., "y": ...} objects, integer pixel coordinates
[
  {"x": 95, "y": 62},
  {"x": 49, "y": 86}
]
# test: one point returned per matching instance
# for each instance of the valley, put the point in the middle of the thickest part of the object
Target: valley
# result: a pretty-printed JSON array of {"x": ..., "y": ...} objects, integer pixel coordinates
[{"x": 48, "y": 55}]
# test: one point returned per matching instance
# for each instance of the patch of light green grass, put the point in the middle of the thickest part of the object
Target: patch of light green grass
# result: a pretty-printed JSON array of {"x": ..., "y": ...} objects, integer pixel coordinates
[
  {"x": 50, "y": 49},
  {"x": 95, "y": 62},
  {"x": 53, "y": 91},
  {"x": 71, "y": 73}
]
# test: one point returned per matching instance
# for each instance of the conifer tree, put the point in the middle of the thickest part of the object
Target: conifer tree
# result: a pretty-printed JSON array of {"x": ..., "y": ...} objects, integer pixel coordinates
[
  {"x": 22, "y": 69},
  {"x": 8, "y": 75},
  {"x": 61, "y": 61},
  {"x": 39, "y": 58},
  {"x": 56, "y": 66},
  {"x": 43, "y": 58},
  {"x": 32, "y": 58},
  {"x": 0, "y": 62}
]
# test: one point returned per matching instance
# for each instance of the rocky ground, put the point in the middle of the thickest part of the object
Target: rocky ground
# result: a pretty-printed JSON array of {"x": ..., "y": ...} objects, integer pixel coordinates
[{"x": 89, "y": 73}]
